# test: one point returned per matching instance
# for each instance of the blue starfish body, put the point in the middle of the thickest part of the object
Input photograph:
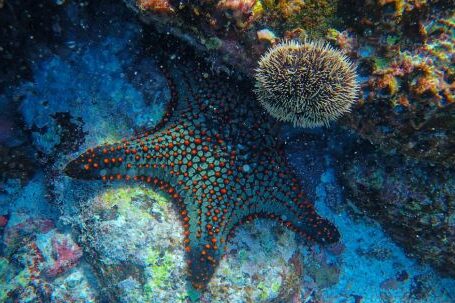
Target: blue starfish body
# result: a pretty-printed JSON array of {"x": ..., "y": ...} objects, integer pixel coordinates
[{"x": 214, "y": 155}]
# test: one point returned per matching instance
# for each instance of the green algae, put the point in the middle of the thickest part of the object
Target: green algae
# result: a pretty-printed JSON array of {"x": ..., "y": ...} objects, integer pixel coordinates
[
  {"x": 3, "y": 267},
  {"x": 391, "y": 40},
  {"x": 380, "y": 63},
  {"x": 124, "y": 196},
  {"x": 267, "y": 290},
  {"x": 264, "y": 294},
  {"x": 332, "y": 34},
  {"x": 139, "y": 201},
  {"x": 275, "y": 286},
  {"x": 213, "y": 43},
  {"x": 10, "y": 280},
  {"x": 193, "y": 294},
  {"x": 243, "y": 256},
  {"x": 159, "y": 268}
]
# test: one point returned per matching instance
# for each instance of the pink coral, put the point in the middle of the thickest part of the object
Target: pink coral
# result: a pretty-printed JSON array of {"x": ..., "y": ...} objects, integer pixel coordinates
[
  {"x": 241, "y": 11},
  {"x": 241, "y": 6},
  {"x": 67, "y": 256},
  {"x": 3, "y": 221}
]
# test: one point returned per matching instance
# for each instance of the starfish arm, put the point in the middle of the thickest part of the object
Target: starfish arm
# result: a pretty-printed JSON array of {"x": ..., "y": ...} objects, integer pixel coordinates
[
  {"x": 219, "y": 111},
  {"x": 183, "y": 98},
  {"x": 150, "y": 159},
  {"x": 171, "y": 105},
  {"x": 146, "y": 155},
  {"x": 302, "y": 219},
  {"x": 204, "y": 251},
  {"x": 99, "y": 163},
  {"x": 126, "y": 160}
]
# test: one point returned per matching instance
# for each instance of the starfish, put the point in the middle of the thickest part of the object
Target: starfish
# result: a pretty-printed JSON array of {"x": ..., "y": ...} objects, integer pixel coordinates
[{"x": 214, "y": 155}]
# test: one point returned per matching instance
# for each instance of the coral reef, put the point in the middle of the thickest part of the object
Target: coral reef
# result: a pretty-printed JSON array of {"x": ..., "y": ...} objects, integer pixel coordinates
[
  {"x": 414, "y": 202},
  {"x": 405, "y": 56},
  {"x": 158, "y": 6},
  {"x": 404, "y": 51},
  {"x": 230, "y": 30},
  {"x": 29, "y": 244},
  {"x": 24, "y": 279},
  {"x": 309, "y": 84},
  {"x": 219, "y": 177}
]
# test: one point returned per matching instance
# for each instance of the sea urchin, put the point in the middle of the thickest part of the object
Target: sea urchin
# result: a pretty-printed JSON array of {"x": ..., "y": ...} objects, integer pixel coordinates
[{"x": 308, "y": 84}]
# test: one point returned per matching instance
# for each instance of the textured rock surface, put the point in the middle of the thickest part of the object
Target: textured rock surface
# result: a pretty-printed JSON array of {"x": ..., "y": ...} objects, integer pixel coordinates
[
  {"x": 62, "y": 87},
  {"x": 39, "y": 262},
  {"x": 405, "y": 56},
  {"x": 135, "y": 243},
  {"x": 414, "y": 203}
]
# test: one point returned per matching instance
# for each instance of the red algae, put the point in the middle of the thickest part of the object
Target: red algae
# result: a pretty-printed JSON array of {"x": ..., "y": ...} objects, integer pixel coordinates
[{"x": 67, "y": 256}]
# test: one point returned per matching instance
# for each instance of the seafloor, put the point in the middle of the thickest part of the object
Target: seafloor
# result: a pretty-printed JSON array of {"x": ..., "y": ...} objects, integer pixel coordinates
[{"x": 84, "y": 73}]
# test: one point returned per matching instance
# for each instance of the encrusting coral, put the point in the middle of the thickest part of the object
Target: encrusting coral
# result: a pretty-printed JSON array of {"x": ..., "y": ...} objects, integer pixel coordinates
[
  {"x": 309, "y": 84},
  {"x": 228, "y": 30},
  {"x": 214, "y": 156},
  {"x": 405, "y": 54}
]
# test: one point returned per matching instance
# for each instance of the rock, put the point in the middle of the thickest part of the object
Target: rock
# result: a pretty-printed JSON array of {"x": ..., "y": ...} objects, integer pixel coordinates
[
  {"x": 134, "y": 252},
  {"x": 24, "y": 273},
  {"x": 57, "y": 116},
  {"x": 414, "y": 203},
  {"x": 15, "y": 165},
  {"x": 405, "y": 62}
]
